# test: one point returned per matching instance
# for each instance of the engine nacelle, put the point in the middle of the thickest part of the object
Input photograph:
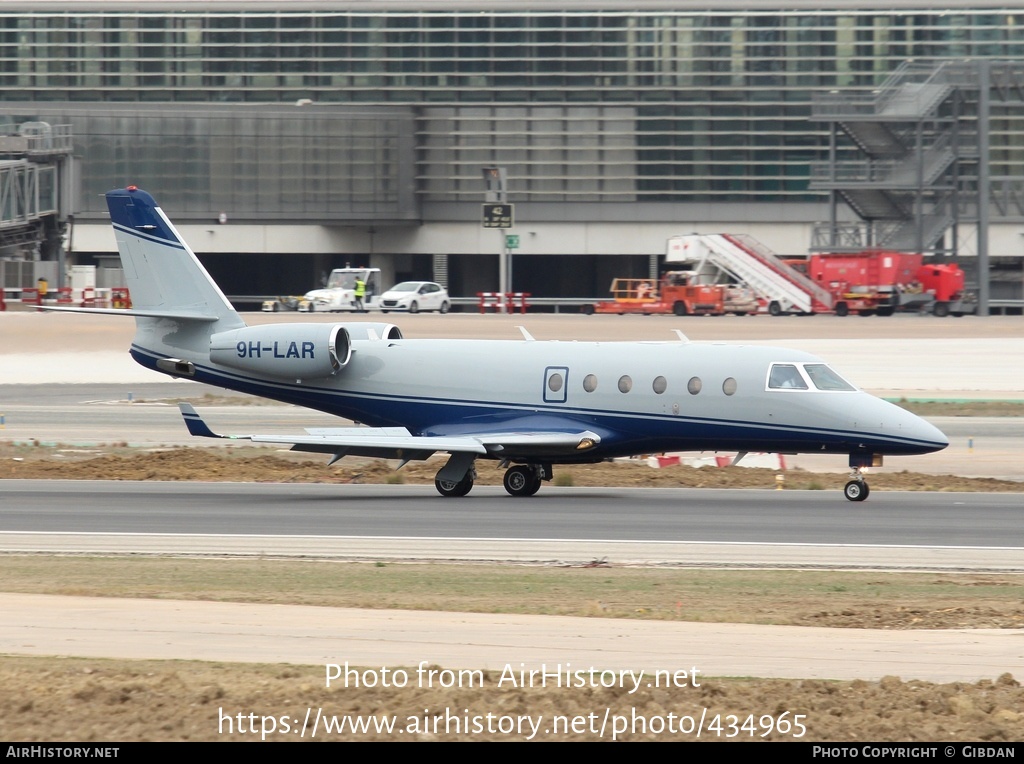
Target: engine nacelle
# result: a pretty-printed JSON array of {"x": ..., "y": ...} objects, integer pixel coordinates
[
  {"x": 286, "y": 351},
  {"x": 362, "y": 329}
]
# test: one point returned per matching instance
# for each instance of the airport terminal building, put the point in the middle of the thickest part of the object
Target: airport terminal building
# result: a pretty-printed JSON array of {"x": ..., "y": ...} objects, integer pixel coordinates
[{"x": 285, "y": 139}]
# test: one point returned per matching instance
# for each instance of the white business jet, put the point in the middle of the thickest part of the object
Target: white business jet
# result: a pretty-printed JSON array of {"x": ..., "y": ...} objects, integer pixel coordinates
[{"x": 525, "y": 403}]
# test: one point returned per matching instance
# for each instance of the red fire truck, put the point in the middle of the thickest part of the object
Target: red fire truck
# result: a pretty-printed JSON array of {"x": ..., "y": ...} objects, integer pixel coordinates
[{"x": 880, "y": 282}]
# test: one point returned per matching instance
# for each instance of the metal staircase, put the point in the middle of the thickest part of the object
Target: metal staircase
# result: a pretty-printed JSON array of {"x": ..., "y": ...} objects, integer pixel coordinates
[{"x": 904, "y": 136}]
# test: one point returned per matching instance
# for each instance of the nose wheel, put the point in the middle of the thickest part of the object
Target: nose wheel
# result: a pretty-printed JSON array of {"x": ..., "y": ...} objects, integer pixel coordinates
[{"x": 857, "y": 489}]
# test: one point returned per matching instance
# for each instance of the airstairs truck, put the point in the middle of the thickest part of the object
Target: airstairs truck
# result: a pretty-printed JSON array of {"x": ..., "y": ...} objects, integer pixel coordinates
[{"x": 872, "y": 282}]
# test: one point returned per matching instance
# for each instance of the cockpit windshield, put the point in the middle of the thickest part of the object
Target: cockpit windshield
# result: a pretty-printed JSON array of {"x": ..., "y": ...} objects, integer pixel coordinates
[
  {"x": 824, "y": 378},
  {"x": 796, "y": 376},
  {"x": 785, "y": 376}
]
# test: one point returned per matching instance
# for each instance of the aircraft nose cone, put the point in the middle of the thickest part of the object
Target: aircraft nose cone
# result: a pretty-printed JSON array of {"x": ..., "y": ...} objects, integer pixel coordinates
[
  {"x": 932, "y": 434},
  {"x": 921, "y": 436}
]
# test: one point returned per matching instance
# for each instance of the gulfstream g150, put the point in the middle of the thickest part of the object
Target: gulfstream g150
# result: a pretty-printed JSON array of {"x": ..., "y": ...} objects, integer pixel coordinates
[{"x": 524, "y": 403}]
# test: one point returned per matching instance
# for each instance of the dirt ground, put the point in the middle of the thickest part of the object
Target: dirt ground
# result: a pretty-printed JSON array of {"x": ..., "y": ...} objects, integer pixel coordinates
[
  {"x": 81, "y": 700},
  {"x": 251, "y": 464},
  {"x": 109, "y": 701}
]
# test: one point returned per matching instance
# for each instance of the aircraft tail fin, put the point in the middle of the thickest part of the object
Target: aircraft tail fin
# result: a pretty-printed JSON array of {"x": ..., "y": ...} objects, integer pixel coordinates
[{"x": 164, "y": 277}]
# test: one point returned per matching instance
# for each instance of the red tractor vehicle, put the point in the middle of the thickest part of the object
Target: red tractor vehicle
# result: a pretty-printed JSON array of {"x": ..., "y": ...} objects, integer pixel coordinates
[{"x": 674, "y": 293}]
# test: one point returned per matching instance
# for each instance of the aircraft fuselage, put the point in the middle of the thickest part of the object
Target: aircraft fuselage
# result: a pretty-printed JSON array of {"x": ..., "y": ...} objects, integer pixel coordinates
[{"x": 639, "y": 397}]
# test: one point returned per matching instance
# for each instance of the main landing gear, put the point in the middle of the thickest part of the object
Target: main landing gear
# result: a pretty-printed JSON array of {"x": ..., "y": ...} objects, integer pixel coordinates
[
  {"x": 455, "y": 487},
  {"x": 519, "y": 480},
  {"x": 525, "y": 479},
  {"x": 457, "y": 476}
]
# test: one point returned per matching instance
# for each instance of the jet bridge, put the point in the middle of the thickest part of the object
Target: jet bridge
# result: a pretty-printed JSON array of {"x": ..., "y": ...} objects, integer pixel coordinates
[
  {"x": 36, "y": 199},
  {"x": 716, "y": 258}
]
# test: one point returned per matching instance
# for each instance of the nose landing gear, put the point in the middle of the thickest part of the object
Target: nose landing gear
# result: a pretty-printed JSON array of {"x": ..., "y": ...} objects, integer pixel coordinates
[{"x": 856, "y": 488}]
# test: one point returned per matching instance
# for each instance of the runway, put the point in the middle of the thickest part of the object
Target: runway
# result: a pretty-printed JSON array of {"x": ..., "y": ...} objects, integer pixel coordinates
[
  {"x": 591, "y": 514},
  {"x": 894, "y": 531}
]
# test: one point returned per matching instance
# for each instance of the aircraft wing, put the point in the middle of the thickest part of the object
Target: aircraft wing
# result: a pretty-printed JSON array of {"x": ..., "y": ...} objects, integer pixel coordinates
[{"x": 399, "y": 443}]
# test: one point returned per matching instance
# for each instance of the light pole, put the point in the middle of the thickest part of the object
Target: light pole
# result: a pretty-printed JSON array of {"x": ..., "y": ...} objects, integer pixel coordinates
[{"x": 498, "y": 213}]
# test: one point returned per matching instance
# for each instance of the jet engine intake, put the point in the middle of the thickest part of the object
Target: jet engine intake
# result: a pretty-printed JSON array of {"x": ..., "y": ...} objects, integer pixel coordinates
[{"x": 371, "y": 331}]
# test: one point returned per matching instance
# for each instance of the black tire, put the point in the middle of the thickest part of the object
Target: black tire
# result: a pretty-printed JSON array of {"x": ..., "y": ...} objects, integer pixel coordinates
[
  {"x": 842, "y": 310},
  {"x": 856, "y": 490},
  {"x": 941, "y": 309},
  {"x": 521, "y": 481},
  {"x": 886, "y": 311},
  {"x": 866, "y": 312},
  {"x": 587, "y": 310},
  {"x": 451, "y": 488},
  {"x": 414, "y": 307},
  {"x": 679, "y": 308},
  {"x": 382, "y": 310},
  {"x": 774, "y": 309},
  {"x": 444, "y": 307}
]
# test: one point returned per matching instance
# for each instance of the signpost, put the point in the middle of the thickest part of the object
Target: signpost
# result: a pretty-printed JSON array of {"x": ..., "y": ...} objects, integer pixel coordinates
[{"x": 498, "y": 215}]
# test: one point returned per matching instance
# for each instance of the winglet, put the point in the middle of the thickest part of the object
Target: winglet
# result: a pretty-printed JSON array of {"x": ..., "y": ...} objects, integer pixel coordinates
[{"x": 195, "y": 424}]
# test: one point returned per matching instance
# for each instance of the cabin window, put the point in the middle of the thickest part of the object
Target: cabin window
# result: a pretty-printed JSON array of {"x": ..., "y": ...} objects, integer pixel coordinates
[
  {"x": 660, "y": 385},
  {"x": 694, "y": 385},
  {"x": 590, "y": 383},
  {"x": 825, "y": 379},
  {"x": 729, "y": 386},
  {"x": 555, "y": 382},
  {"x": 625, "y": 383},
  {"x": 785, "y": 376}
]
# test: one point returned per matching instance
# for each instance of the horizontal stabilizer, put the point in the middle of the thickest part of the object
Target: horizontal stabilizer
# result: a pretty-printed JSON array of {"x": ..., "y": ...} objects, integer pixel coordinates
[{"x": 179, "y": 315}]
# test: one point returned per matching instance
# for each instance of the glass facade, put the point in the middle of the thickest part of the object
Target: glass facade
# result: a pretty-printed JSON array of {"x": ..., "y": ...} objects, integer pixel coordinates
[
  {"x": 581, "y": 105},
  {"x": 296, "y": 163}
]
